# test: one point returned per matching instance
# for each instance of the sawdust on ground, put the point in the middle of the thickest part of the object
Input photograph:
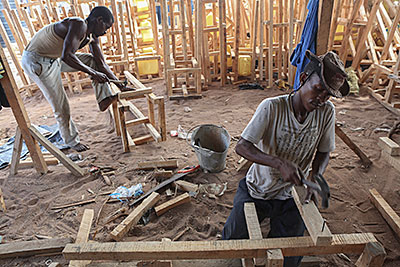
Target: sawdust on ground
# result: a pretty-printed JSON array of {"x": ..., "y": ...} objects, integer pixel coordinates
[{"x": 30, "y": 196}]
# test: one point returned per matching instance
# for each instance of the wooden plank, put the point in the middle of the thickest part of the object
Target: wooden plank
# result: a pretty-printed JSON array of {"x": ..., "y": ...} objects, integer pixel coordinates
[
  {"x": 364, "y": 35},
  {"x": 67, "y": 162},
  {"x": 137, "y": 122},
  {"x": 315, "y": 224},
  {"x": 2, "y": 203},
  {"x": 122, "y": 229},
  {"x": 163, "y": 174},
  {"x": 186, "y": 186},
  {"x": 83, "y": 236},
  {"x": 215, "y": 249},
  {"x": 157, "y": 164},
  {"x": 254, "y": 38},
  {"x": 364, "y": 158},
  {"x": 270, "y": 43},
  {"x": 389, "y": 146},
  {"x": 33, "y": 248},
  {"x": 156, "y": 135},
  {"x": 123, "y": 130},
  {"x": 20, "y": 114},
  {"x": 222, "y": 40},
  {"x": 372, "y": 256},
  {"x": 135, "y": 94},
  {"x": 392, "y": 160},
  {"x": 253, "y": 227},
  {"x": 29, "y": 162},
  {"x": 274, "y": 258},
  {"x": 386, "y": 211},
  {"x": 166, "y": 206},
  {"x": 16, "y": 155}
]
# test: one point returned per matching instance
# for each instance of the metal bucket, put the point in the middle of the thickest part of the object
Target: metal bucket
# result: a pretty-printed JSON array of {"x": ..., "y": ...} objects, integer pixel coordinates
[{"x": 210, "y": 143}]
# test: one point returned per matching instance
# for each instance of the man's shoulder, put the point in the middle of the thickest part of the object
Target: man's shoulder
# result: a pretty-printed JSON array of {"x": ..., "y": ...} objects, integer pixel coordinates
[{"x": 275, "y": 101}]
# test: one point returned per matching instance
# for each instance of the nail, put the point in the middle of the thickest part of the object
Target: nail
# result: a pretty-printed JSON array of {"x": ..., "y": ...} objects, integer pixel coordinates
[{"x": 323, "y": 226}]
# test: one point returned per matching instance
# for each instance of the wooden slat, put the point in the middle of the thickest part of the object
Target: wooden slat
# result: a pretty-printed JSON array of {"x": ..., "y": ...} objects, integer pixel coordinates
[
  {"x": 31, "y": 248},
  {"x": 83, "y": 235},
  {"x": 389, "y": 146},
  {"x": 253, "y": 227},
  {"x": 67, "y": 162},
  {"x": 160, "y": 164},
  {"x": 216, "y": 249},
  {"x": 274, "y": 258},
  {"x": 122, "y": 229},
  {"x": 166, "y": 206},
  {"x": 316, "y": 226},
  {"x": 386, "y": 211}
]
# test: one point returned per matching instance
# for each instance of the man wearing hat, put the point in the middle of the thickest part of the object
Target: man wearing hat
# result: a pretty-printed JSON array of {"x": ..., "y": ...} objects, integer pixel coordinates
[{"x": 288, "y": 136}]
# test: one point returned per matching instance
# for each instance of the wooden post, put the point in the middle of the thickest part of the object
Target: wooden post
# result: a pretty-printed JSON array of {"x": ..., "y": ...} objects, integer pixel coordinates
[
  {"x": 254, "y": 39},
  {"x": 372, "y": 256},
  {"x": 324, "y": 25},
  {"x": 21, "y": 116},
  {"x": 271, "y": 43},
  {"x": 222, "y": 40},
  {"x": 361, "y": 40},
  {"x": 253, "y": 227},
  {"x": 237, "y": 40}
]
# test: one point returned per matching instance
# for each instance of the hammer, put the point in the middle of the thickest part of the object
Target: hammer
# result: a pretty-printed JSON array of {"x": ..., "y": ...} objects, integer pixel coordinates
[{"x": 321, "y": 186}]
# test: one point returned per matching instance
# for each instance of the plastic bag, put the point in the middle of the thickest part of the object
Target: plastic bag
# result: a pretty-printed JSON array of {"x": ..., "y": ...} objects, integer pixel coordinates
[{"x": 122, "y": 191}]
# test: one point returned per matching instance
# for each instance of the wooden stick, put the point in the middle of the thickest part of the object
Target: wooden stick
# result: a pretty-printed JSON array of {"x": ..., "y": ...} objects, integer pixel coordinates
[
  {"x": 164, "y": 164},
  {"x": 166, "y": 206},
  {"x": 385, "y": 210},
  {"x": 319, "y": 232},
  {"x": 389, "y": 146},
  {"x": 122, "y": 229},
  {"x": 31, "y": 248},
  {"x": 83, "y": 235},
  {"x": 2, "y": 203},
  {"x": 253, "y": 227},
  {"x": 216, "y": 249},
  {"x": 364, "y": 158}
]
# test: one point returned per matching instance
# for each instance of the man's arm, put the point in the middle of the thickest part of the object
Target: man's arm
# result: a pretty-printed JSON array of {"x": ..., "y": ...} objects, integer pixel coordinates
[
  {"x": 287, "y": 169},
  {"x": 76, "y": 31},
  {"x": 320, "y": 163},
  {"x": 99, "y": 58}
]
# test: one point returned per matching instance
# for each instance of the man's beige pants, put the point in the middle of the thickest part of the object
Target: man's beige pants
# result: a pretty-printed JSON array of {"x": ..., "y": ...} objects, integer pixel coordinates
[{"x": 46, "y": 73}]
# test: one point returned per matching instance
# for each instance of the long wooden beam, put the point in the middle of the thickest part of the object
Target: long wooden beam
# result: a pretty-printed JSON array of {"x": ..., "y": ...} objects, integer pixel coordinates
[
  {"x": 221, "y": 249},
  {"x": 30, "y": 248}
]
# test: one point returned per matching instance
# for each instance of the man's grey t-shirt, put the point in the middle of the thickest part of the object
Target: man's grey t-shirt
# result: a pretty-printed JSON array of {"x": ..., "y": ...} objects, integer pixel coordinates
[{"x": 275, "y": 130}]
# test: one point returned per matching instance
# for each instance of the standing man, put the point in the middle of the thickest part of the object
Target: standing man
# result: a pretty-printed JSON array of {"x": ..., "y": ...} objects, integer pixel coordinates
[
  {"x": 53, "y": 50},
  {"x": 287, "y": 135}
]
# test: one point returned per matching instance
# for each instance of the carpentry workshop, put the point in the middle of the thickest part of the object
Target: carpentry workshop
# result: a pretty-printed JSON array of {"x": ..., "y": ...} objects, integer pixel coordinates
[{"x": 191, "y": 133}]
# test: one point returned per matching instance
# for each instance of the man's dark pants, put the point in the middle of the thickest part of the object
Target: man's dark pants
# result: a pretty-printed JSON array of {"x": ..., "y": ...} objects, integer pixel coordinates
[{"x": 285, "y": 219}]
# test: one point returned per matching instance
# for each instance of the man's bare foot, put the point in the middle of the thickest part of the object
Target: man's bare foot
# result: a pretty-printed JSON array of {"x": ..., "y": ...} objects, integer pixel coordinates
[
  {"x": 80, "y": 147},
  {"x": 106, "y": 102}
]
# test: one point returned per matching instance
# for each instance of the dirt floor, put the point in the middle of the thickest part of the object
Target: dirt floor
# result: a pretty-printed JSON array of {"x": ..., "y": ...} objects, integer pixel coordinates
[{"x": 29, "y": 197}]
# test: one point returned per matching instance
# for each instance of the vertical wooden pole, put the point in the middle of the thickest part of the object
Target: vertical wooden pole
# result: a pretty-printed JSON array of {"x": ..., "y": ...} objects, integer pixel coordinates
[
  {"x": 16, "y": 155},
  {"x": 271, "y": 43},
  {"x": 237, "y": 39},
  {"x": 261, "y": 47},
  {"x": 254, "y": 38},
  {"x": 291, "y": 36},
  {"x": 222, "y": 40}
]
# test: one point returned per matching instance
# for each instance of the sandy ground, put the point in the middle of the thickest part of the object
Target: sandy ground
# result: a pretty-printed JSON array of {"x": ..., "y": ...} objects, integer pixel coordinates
[{"x": 30, "y": 196}]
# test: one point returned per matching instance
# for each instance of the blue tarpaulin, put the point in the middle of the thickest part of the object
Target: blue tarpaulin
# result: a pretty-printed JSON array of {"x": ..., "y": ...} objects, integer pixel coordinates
[
  {"x": 52, "y": 133},
  {"x": 308, "y": 41}
]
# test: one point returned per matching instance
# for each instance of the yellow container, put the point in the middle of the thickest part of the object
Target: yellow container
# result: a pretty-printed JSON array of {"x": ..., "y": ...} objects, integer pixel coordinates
[
  {"x": 229, "y": 56},
  {"x": 145, "y": 23},
  {"x": 148, "y": 50},
  {"x": 244, "y": 65},
  {"x": 142, "y": 6},
  {"x": 209, "y": 19},
  {"x": 147, "y": 36},
  {"x": 144, "y": 16},
  {"x": 147, "y": 67},
  {"x": 339, "y": 28}
]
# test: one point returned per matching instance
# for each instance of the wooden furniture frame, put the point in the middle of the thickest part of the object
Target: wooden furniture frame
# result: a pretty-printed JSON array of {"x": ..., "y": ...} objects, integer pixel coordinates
[
  {"x": 27, "y": 132},
  {"x": 157, "y": 129}
]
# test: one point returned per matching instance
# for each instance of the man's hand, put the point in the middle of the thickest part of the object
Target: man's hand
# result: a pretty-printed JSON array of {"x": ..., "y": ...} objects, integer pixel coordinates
[
  {"x": 289, "y": 172},
  {"x": 311, "y": 193},
  {"x": 99, "y": 77}
]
